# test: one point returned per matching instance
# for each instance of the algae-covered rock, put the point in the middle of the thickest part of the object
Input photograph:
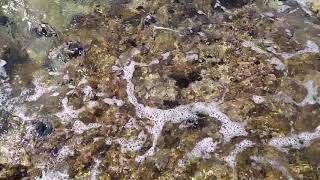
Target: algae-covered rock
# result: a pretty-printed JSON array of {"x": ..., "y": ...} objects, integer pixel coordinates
[{"x": 137, "y": 89}]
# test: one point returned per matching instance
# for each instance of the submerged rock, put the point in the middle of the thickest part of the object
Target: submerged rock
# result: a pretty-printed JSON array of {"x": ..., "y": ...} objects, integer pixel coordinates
[
  {"x": 201, "y": 89},
  {"x": 44, "y": 30},
  {"x": 4, "y": 21},
  {"x": 43, "y": 129}
]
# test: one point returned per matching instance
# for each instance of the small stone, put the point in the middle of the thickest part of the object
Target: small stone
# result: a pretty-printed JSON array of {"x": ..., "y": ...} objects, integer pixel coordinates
[{"x": 149, "y": 20}]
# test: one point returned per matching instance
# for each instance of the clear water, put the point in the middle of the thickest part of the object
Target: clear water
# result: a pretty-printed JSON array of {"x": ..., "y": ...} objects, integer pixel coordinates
[{"x": 135, "y": 89}]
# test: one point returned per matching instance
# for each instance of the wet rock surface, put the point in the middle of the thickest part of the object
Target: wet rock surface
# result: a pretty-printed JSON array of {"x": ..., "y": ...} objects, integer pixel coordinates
[{"x": 206, "y": 89}]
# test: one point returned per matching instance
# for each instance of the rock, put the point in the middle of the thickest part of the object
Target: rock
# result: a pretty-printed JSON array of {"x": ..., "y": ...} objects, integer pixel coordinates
[
  {"x": 4, "y": 21},
  {"x": 44, "y": 30},
  {"x": 148, "y": 20},
  {"x": 43, "y": 129},
  {"x": 229, "y": 4},
  {"x": 75, "y": 49}
]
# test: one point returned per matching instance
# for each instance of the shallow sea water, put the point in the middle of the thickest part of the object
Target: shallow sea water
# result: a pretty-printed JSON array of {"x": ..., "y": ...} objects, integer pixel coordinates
[{"x": 173, "y": 89}]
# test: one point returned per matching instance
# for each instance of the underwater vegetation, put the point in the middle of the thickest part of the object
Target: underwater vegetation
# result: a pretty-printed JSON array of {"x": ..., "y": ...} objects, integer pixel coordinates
[{"x": 171, "y": 89}]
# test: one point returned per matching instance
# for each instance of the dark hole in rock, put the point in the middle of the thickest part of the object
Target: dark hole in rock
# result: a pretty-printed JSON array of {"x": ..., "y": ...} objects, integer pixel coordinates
[
  {"x": 229, "y": 4},
  {"x": 4, "y": 21},
  {"x": 139, "y": 8},
  {"x": 195, "y": 76},
  {"x": 132, "y": 42},
  {"x": 43, "y": 129},
  {"x": 170, "y": 10},
  {"x": 183, "y": 81},
  {"x": 170, "y": 104},
  {"x": 221, "y": 62},
  {"x": 75, "y": 49},
  {"x": 4, "y": 123}
]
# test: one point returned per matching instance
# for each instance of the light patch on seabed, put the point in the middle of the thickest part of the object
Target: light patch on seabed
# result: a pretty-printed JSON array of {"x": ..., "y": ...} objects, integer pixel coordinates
[
  {"x": 258, "y": 99},
  {"x": 68, "y": 112},
  {"x": 65, "y": 152},
  {"x": 229, "y": 128},
  {"x": 39, "y": 89}
]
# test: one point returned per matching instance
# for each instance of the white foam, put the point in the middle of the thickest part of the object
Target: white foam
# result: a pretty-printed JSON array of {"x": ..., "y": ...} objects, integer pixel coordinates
[
  {"x": 55, "y": 94},
  {"x": 79, "y": 127},
  {"x": 51, "y": 175},
  {"x": 229, "y": 129},
  {"x": 132, "y": 145},
  {"x": 113, "y": 101},
  {"x": 165, "y": 56},
  {"x": 203, "y": 149},
  {"x": 295, "y": 141},
  {"x": 64, "y": 152},
  {"x": 164, "y": 28},
  {"x": 39, "y": 89},
  {"x": 132, "y": 124},
  {"x": 231, "y": 158},
  {"x": 273, "y": 164},
  {"x": 68, "y": 112},
  {"x": 88, "y": 93},
  {"x": 258, "y": 99},
  {"x": 95, "y": 170}
]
